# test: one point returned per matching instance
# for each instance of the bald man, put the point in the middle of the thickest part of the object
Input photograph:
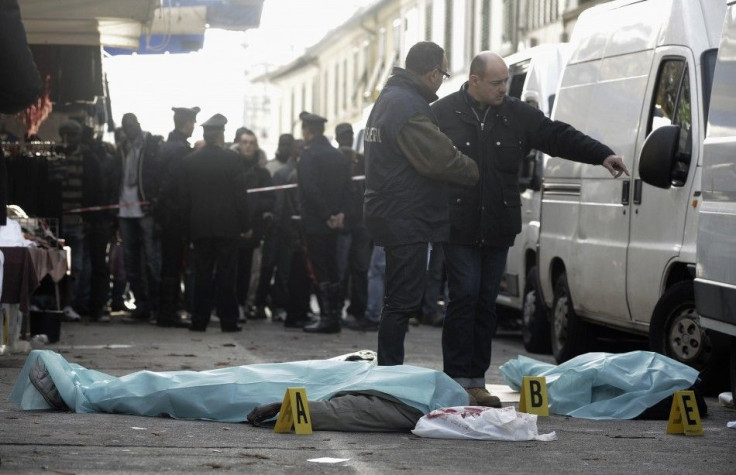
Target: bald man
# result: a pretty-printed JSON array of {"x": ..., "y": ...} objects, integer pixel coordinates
[{"x": 497, "y": 131}]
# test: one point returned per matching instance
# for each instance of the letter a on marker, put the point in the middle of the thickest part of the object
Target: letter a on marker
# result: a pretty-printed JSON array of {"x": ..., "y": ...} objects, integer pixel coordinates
[
  {"x": 684, "y": 415},
  {"x": 294, "y": 412},
  {"x": 533, "y": 398}
]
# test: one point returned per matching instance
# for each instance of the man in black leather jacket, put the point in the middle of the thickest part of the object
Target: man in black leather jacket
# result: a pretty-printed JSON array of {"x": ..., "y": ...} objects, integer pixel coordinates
[{"x": 496, "y": 131}]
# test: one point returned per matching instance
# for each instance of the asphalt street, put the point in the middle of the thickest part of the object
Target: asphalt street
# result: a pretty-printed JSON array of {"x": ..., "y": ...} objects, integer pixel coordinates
[{"x": 63, "y": 442}]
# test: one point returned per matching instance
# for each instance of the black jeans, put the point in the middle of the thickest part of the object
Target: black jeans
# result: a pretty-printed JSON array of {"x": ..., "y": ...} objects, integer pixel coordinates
[
  {"x": 173, "y": 248},
  {"x": 96, "y": 237},
  {"x": 215, "y": 271},
  {"x": 298, "y": 285},
  {"x": 359, "y": 259},
  {"x": 406, "y": 275},
  {"x": 474, "y": 276},
  {"x": 322, "y": 254},
  {"x": 142, "y": 260},
  {"x": 244, "y": 266}
]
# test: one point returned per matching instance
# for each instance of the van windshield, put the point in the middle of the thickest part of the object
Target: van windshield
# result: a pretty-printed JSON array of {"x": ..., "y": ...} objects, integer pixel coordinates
[{"x": 708, "y": 60}]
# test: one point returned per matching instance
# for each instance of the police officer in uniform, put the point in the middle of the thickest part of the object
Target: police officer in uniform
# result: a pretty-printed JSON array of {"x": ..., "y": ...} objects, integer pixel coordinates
[
  {"x": 325, "y": 191},
  {"x": 168, "y": 214},
  {"x": 214, "y": 199}
]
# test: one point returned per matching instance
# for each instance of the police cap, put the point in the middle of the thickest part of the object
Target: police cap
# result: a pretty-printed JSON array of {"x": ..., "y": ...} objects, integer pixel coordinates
[
  {"x": 186, "y": 113},
  {"x": 305, "y": 116},
  {"x": 217, "y": 121}
]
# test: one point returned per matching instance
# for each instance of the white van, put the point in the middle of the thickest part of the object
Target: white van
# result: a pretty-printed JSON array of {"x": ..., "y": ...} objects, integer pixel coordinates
[
  {"x": 534, "y": 76},
  {"x": 621, "y": 252},
  {"x": 715, "y": 276}
]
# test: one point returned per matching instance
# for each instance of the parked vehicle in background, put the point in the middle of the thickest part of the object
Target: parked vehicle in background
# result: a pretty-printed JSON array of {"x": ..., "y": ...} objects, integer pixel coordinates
[
  {"x": 715, "y": 276},
  {"x": 534, "y": 76},
  {"x": 621, "y": 253}
]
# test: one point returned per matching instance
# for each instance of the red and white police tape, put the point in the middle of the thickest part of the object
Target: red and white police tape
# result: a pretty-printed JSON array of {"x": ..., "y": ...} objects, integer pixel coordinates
[{"x": 90, "y": 209}]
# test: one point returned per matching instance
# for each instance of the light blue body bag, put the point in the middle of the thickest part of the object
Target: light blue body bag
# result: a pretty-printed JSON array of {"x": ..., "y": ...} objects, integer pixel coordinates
[
  {"x": 604, "y": 385},
  {"x": 229, "y": 394}
]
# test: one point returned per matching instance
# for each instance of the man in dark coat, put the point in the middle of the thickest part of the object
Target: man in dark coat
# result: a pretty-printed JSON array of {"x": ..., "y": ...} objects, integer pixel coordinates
[
  {"x": 292, "y": 283},
  {"x": 358, "y": 241},
  {"x": 497, "y": 131},
  {"x": 215, "y": 205},
  {"x": 135, "y": 180},
  {"x": 324, "y": 191},
  {"x": 260, "y": 206},
  {"x": 272, "y": 249},
  {"x": 408, "y": 162},
  {"x": 174, "y": 237},
  {"x": 82, "y": 186}
]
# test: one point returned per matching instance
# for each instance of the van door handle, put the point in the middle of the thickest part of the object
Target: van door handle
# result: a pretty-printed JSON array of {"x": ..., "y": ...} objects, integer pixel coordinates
[
  {"x": 637, "y": 191},
  {"x": 625, "y": 192}
]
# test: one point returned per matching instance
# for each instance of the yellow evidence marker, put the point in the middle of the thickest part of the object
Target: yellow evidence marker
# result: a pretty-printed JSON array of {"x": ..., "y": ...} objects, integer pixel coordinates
[
  {"x": 533, "y": 399},
  {"x": 294, "y": 412},
  {"x": 684, "y": 415}
]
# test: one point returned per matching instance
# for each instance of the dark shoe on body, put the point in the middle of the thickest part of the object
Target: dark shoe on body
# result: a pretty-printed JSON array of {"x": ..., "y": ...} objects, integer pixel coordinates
[
  {"x": 481, "y": 397},
  {"x": 41, "y": 380}
]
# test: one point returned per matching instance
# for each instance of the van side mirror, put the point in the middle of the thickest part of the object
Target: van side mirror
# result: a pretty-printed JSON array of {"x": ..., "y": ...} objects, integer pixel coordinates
[{"x": 657, "y": 158}]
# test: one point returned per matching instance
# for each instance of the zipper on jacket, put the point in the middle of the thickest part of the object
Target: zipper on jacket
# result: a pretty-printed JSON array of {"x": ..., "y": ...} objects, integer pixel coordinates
[{"x": 485, "y": 115}]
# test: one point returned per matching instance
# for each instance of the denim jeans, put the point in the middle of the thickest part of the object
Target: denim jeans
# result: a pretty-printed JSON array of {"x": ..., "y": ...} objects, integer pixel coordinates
[
  {"x": 96, "y": 236},
  {"x": 406, "y": 279},
  {"x": 434, "y": 287},
  {"x": 474, "y": 276},
  {"x": 344, "y": 241},
  {"x": 141, "y": 249},
  {"x": 376, "y": 283},
  {"x": 74, "y": 237}
]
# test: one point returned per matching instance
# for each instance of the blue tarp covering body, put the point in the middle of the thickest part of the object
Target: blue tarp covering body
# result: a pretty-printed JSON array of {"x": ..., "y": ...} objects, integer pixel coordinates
[
  {"x": 603, "y": 385},
  {"x": 229, "y": 394}
]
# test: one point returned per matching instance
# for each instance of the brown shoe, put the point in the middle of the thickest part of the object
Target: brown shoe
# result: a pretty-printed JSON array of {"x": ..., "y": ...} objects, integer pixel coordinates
[{"x": 483, "y": 398}]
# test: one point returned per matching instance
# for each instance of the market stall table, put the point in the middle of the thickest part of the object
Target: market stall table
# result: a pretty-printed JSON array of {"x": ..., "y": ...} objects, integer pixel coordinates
[{"x": 23, "y": 270}]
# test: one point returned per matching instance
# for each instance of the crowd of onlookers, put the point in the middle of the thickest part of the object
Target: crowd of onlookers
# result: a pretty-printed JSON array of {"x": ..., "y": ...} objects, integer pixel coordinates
[{"x": 137, "y": 255}]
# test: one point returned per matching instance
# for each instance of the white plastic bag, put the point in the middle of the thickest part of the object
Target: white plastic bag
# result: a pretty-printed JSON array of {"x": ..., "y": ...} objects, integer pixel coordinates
[{"x": 480, "y": 423}]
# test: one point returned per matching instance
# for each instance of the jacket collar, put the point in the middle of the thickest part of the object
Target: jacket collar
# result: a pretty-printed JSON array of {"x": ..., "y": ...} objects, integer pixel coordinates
[
  {"x": 319, "y": 139},
  {"x": 403, "y": 78},
  {"x": 176, "y": 136},
  {"x": 471, "y": 102}
]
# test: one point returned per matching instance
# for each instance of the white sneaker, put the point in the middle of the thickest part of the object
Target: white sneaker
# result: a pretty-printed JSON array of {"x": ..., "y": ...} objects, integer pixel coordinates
[
  {"x": 70, "y": 315},
  {"x": 241, "y": 314}
]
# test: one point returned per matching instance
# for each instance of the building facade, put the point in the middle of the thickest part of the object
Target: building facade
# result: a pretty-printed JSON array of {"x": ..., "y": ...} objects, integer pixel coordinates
[{"x": 341, "y": 76}]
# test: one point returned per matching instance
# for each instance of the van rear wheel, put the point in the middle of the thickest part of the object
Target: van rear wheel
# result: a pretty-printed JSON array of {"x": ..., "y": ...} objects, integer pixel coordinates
[
  {"x": 569, "y": 332},
  {"x": 675, "y": 331},
  {"x": 535, "y": 326}
]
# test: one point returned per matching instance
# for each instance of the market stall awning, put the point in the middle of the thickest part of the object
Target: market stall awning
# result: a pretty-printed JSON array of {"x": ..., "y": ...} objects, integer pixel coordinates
[{"x": 143, "y": 26}]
